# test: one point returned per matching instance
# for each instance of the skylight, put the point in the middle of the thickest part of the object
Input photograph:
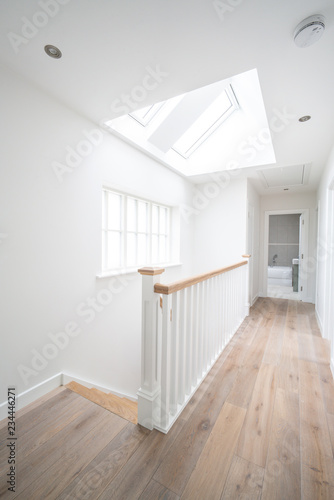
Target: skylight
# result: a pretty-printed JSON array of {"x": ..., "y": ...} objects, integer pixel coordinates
[
  {"x": 210, "y": 129},
  {"x": 145, "y": 115},
  {"x": 212, "y": 117}
]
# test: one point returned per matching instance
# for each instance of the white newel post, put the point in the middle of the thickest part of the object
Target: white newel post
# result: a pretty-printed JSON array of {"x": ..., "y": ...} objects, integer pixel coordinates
[
  {"x": 247, "y": 294},
  {"x": 149, "y": 392}
]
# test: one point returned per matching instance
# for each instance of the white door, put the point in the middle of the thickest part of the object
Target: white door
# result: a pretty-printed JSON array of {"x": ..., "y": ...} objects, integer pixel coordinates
[{"x": 303, "y": 253}]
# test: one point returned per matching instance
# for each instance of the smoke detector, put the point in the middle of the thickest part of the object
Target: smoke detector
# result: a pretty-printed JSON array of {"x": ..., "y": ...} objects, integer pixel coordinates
[{"x": 309, "y": 31}]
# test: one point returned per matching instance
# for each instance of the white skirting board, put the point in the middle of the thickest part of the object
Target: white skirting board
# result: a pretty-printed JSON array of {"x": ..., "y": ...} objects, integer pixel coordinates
[
  {"x": 319, "y": 322},
  {"x": 29, "y": 396},
  {"x": 39, "y": 390}
]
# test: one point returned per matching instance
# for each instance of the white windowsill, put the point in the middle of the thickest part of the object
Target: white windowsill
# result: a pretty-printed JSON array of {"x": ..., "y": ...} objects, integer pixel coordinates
[{"x": 133, "y": 270}]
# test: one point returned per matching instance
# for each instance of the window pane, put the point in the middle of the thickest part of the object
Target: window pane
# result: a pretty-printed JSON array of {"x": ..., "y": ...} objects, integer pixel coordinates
[
  {"x": 132, "y": 215},
  {"x": 114, "y": 250},
  {"x": 114, "y": 211},
  {"x": 155, "y": 249},
  {"x": 142, "y": 249},
  {"x": 162, "y": 249},
  {"x": 207, "y": 122},
  {"x": 131, "y": 250},
  {"x": 163, "y": 217},
  {"x": 142, "y": 217},
  {"x": 155, "y": 219}
]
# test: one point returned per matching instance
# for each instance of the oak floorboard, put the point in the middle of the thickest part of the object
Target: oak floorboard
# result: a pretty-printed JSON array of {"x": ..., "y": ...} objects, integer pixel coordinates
[
  {"x": 318, "y": 482},
  {"x": 179, "y": 463},
  {"x": 29, "y": 407},
  {"x": 99, "y": 473},
  {"x": 288, "y": 371},
  {"x": 244, "y": 480},
  {"x": 76, "y": 458},
  {"x": 156, "y": 491},
  {"x": 254, "y": 437},
  {"x": 330, "y": 422},
  {"x": 37, "y": 462},
  {"x": 134, "y": 477},
  {"x": 315, "y": 438},
  {"x": 327, "y": 385},
  {"x": 273, "y": 351},
  {"x": 27, "y": 419},
  {"x": 282, "y": 472},
  {"x": 243, "y": 386},
  {"x": 208, "y": 478}
]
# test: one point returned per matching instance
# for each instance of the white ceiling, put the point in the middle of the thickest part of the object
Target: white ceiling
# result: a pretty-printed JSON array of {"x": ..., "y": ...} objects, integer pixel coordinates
[{"x": 109, "y": 47}]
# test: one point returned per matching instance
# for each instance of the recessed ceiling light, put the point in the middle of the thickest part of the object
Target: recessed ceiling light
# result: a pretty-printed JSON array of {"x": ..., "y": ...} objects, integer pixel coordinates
[
  {"x": 286, "y": 189},
  {"x": 53, "y": 51},
  {"x": 305, "y": 118}
]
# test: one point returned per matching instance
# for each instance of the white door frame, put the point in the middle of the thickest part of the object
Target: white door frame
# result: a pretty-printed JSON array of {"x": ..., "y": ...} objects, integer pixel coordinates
[
  {"x": 303, "y": 249},
  {"x": 329, "y": 266},
  {"x": 250, "y": 247}
]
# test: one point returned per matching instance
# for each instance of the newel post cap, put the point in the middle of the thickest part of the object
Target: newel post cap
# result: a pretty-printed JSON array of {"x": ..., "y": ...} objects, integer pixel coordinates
[{"x": 151, "y": 271}]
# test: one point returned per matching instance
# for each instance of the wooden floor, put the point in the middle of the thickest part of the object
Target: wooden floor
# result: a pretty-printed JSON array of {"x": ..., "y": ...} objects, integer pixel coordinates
[{"x": 261, "y": 426}]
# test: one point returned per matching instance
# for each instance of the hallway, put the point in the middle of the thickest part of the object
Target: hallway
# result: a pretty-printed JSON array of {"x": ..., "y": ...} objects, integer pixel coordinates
[{"x": 261, "y": 426}]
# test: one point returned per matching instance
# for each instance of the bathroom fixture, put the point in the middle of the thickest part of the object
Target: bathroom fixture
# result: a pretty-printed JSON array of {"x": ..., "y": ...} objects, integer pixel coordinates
[{"x": 274, "y": 259}]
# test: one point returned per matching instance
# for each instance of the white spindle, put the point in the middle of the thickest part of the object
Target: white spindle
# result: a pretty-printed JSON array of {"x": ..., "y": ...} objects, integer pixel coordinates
[
  {"x": 182, "y": 348},
  {"x": 195, "y": 337},
  {"x": 189, "y": 340},
  {"x": 165, "y": 361},
  {"x": 175, "y": 354}
]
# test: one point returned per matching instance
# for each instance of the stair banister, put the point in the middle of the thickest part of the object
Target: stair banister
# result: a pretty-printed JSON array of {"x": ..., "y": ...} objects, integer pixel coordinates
[{"x": 183, "y": 339}]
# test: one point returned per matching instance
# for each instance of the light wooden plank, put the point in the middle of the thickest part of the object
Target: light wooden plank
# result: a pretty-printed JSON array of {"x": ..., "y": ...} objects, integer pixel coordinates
[
  {"x": 306, "y": 348},
  {"x": 327, "y": 385},
  {"x": 243, "y": 386},
  {"x": 36, "y": 463},
  {"x": 99, "y": 473},
  {"x": 244, "y": 480},
  {"x": 318, "y": 482},
  {"x": 179, "y": 463},
  {"x": 156, "y": 491},
  {"x": 254, "y": 436},
  {"x": 315, "y": 439},
  {"x": 56, "y": 478},
  {"x": 288, "y": 372},
  {"x": 330, "y": 421},
  {"x": 31, "y": 406},
  {"x": 282, "y": 474},
  {"x": 273, "y": 350},
  {"x": 133, "y": 478},
  {"x": 209, "y": 476}
]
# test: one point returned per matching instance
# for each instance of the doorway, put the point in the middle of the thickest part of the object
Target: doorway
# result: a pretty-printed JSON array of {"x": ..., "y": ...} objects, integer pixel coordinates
[{"x": 285, "y": 252}]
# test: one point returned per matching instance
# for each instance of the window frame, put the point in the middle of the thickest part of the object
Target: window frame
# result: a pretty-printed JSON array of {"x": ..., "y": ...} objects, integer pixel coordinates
[{"x": 124, "y": 264}]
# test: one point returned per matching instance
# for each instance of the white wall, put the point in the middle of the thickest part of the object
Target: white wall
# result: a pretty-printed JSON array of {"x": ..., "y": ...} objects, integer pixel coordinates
[
  {"x": 220, "y": 223},
  {"x": 325, "y": 271},
  {"x": 50, "y": 246},
  {"x": 294, "y": 201}
]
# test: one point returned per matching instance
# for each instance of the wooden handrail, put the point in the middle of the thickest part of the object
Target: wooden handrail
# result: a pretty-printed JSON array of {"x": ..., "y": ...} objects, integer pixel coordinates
[{"x": 185, "y": 283}]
